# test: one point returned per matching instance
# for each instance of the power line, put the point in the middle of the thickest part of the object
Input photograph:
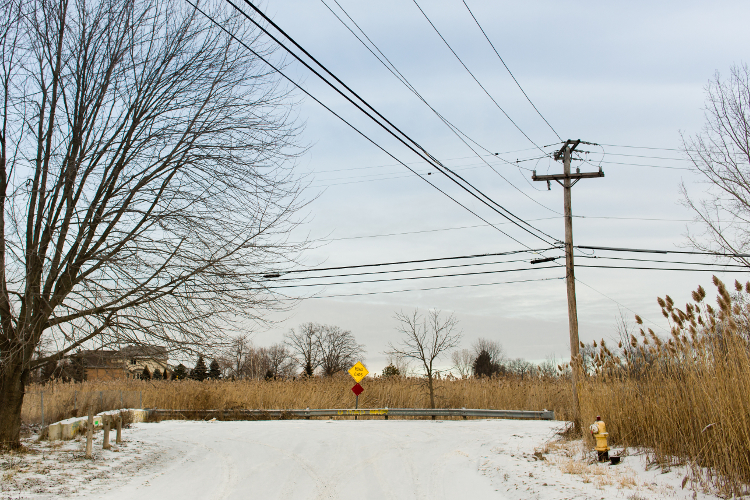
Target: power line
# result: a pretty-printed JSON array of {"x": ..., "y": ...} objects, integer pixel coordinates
[
  {"x": 400, "y": 135},
  {"x": 409, "y": 278},
  {"x": 632, "y": 259},
  {"x": 509, "y": 72},
  {"x": 710, "y": 270},
  {"x": 474, "y": 77},
  {"x": 421, "y": 269},
  {"x": 473, "y": 264},
  {"x": 416, "y": 261},
  {"x": 645, "y": 250},
  {"x": 432, "y": 288},
  {"x": 345, "y": 121},
  {"x": 401, "y": 78}
]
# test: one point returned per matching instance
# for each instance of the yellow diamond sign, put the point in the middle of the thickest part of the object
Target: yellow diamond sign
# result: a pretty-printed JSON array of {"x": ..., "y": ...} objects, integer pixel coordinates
[{"x": 358, "y": 372}]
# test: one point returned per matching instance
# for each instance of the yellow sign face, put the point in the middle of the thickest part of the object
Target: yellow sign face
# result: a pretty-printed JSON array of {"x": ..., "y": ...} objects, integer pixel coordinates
[{"x": 358, "y": 372}]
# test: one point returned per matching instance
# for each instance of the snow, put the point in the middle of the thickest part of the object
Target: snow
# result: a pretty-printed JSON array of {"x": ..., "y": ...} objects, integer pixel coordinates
[{"x": 336, "y": 459}]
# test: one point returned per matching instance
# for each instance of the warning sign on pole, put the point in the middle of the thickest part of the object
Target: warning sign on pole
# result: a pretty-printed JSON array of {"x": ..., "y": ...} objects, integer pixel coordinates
[{"x": 358, "y": 372}]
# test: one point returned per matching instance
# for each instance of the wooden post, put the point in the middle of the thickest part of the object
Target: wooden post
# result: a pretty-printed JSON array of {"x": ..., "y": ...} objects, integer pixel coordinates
[
  {"x": 90, "y": 432},
  {"x": 568, "y": 181},
  {"x": 118, "y": 438},
  {"x": 571, "y": 284},
  {"x": 105, "y": 444}
]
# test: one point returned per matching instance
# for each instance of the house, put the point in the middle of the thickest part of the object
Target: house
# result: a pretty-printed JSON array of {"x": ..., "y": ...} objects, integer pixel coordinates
[
  {"x": 139, "y": 357},
  {"x": 101, "y": 365},
  {"x": 128, "y": 362}
]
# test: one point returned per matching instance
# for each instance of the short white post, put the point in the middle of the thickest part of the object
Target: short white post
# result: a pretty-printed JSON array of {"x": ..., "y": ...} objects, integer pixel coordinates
[
  {"x": 118, "y": 438},
  {"x": 90, "y": 432}
]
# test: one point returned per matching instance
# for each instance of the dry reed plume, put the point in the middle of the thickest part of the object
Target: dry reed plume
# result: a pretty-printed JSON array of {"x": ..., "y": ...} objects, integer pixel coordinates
[{"x": 685, "y": 398}]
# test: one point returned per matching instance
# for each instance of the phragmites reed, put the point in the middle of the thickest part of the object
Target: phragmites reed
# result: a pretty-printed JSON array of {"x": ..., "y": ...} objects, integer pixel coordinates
[{"x": 684, "y": 396}]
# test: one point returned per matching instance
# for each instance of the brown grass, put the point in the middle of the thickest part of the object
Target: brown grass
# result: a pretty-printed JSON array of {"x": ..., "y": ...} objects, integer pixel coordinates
[
  {"x": 391, "y": 392},
  {"x": 685, "y": 398}
]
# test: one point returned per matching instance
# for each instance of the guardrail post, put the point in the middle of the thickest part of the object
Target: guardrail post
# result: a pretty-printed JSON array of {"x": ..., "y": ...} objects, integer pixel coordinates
[
  {"x": 307, "y": 417},
  {"x": 464, "y": 415},
  {"x": 386, "y": 413},
  {"x": 105, "y": 443},
  {"x": 118, "y": 438},
  {"x": 90, "y": 431}
]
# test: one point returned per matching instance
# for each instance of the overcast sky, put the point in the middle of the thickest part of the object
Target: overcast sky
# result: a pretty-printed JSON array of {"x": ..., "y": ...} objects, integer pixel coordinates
[{"x": 613, "y": 73}]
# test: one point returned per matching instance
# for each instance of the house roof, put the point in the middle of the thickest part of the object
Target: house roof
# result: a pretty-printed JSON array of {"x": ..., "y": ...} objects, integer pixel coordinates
[{"x": 143, "y": 351}]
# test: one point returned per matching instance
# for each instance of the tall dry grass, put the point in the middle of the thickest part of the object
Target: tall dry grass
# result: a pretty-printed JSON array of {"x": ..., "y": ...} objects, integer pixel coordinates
[
  {"x": 686, "y": 398},
  {"x": 334, "y": 392}
]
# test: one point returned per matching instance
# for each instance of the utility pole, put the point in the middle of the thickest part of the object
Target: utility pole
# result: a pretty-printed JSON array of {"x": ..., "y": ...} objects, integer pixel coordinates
[{"x": 568, "y": 181}]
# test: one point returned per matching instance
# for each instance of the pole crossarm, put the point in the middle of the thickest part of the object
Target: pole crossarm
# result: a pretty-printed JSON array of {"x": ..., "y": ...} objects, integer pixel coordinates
[
  {"x": 567, "y": 180},
  {"x": 560, "y": 177}
]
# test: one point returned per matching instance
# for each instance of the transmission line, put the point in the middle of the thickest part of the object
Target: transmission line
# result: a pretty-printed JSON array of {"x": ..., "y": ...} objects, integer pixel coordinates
[
  {"x": 391, "y": 128},
  {"x": 509, "y": 71},
  {"x": 359, "y": 131},
  {"x": 474, "y": 77},
  {"x": 401, "y": 78}
]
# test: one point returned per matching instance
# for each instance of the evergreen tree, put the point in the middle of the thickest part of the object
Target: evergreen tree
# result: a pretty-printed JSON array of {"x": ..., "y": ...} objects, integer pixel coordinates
[
  {"x": 180, "y": 372},
  {"x": 391, "y": 371},
  {"x": 269, "y": 375},
  {"x": 146, "y": 375},
  {"x": 157, "y": 374},
  {"x": 200, "y": 372},
  {"x": 214, "y": 372},
  {"x": 484, "y": 366}
]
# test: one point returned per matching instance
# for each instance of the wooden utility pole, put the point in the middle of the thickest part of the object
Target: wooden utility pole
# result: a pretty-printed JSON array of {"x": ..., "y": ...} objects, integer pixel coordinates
[{"x": 568, "y": 181}]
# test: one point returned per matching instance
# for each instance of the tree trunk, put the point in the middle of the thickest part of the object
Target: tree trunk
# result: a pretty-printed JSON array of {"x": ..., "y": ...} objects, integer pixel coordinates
[
  {"x": 12, "y": 383},
  {"x": 432, "y": 392}
]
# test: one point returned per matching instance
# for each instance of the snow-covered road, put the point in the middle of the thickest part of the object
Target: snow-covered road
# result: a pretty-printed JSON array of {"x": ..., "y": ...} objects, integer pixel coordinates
[{"x": 372, "y": 459}]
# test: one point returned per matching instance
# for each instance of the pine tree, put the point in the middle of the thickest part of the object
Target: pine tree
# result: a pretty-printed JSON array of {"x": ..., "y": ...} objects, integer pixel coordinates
[
  {"x": 157, "y": 374},
  {"x": 200, "y": 372},
  {"x": 484, "y": 366},
  {"x": 180, "y": 372},
  {"x": 391, "y": 371},
  {"x": 214, "y": 372},
  {"x": 146, "y": 375}
]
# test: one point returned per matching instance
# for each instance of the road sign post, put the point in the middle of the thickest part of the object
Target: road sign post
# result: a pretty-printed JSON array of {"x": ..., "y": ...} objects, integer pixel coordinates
[{"x": 358, "y": 372}]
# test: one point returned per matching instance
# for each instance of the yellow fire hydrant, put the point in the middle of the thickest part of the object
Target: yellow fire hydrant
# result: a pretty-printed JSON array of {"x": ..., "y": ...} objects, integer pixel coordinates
[{"x": 599, "y": 431}]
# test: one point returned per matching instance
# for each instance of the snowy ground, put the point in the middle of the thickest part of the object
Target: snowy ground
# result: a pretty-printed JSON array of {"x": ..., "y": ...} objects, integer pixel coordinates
[{"x": 341, "y": 459}]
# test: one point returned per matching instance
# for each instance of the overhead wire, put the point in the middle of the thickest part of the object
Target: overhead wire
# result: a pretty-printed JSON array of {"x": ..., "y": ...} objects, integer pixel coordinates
[
  {"x": 413, "y": 261},
  {"x": 399, "y": 76},
  {"x": 475, "y": 78},
  {"x": 433, "y": 288},
  {"x": 351, "y": 125},
  {"x": 408, "y": 278},
  {"x": 391, "y": 128},
  {"x": 510, "y": 72}
]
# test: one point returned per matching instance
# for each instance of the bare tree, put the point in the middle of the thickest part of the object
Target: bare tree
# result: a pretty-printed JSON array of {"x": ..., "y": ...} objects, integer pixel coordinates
[
  {"x": 462, "y": 362},
  {"x": 280, "y": 361},
  {"x": 425, "y": 339},
  {"x": 338, "y": 349},
  {"x": 143, "y": 178},
  {"x": 305, "y": 346},
  {"x": 721, "y": 153},
  {"x": 239, "y": 348},
  {"x": 491, "y": 347}
]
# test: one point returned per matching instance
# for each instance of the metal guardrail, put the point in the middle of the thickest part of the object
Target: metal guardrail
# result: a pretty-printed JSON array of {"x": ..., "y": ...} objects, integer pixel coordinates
[{"x": 381, "y": 412}]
